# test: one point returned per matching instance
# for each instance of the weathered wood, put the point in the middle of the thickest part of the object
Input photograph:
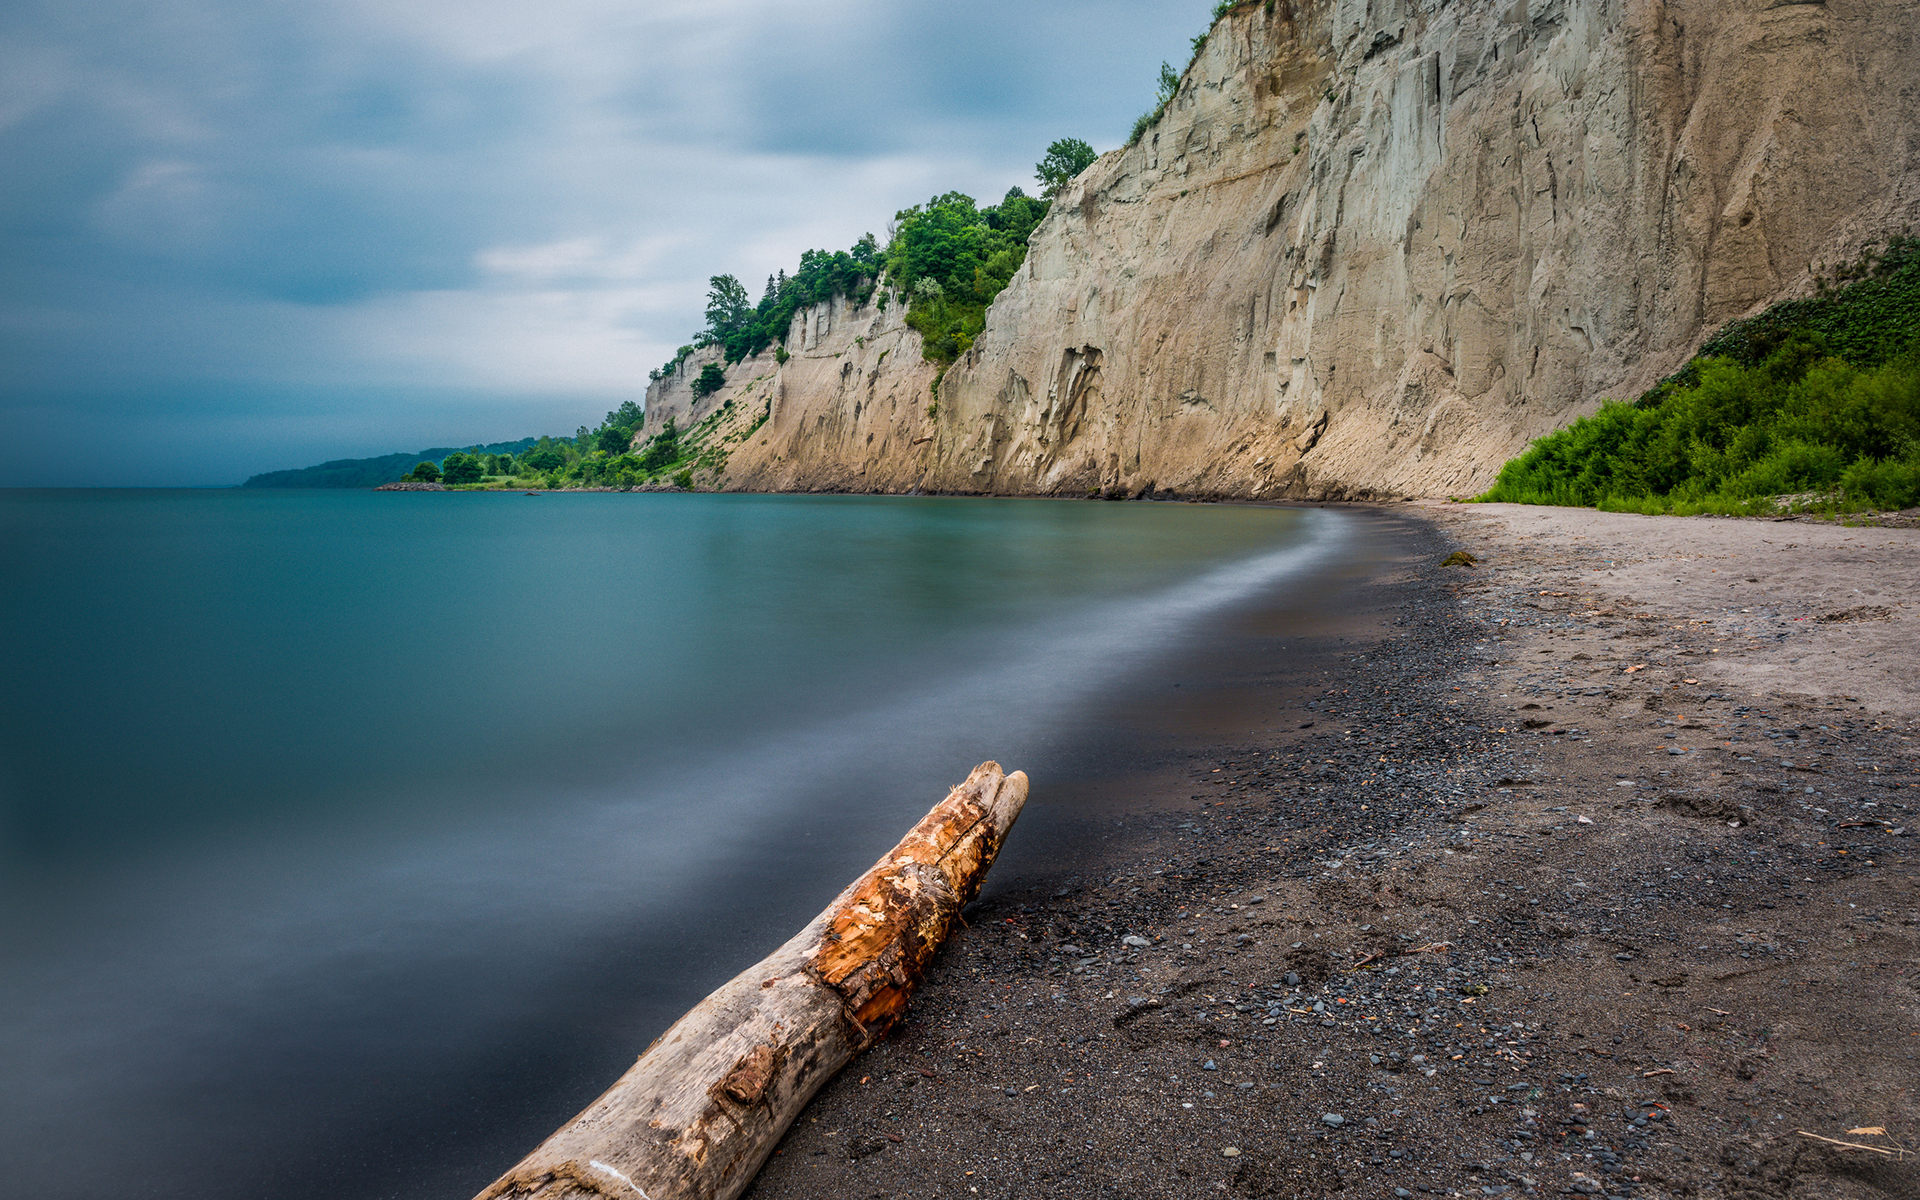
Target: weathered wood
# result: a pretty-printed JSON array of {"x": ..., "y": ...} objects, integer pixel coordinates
[{"x": 704, "y": 1106}]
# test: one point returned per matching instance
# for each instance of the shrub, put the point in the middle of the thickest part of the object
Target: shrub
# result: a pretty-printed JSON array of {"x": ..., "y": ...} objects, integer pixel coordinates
[
  {"x": 712, "y": 378},
  {"x": 662, "y": 450},
  {"x": 1810, "y": 396},
  {"x": 1882, "y": 484},
  {"x": 426, "y": 472},
  {"x": 683, "y": 480}
]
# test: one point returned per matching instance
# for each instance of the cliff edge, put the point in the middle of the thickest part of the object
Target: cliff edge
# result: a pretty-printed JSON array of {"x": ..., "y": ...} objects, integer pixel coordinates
[{"x": 1371, "y": 249}]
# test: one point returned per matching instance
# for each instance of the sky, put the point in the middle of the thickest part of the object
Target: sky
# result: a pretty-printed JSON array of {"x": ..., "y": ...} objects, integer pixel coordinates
[{"x": 244, "y": 235}]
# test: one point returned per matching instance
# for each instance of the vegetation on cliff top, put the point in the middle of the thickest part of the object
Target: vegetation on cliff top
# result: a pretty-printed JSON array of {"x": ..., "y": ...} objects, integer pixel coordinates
[
  {"x": 949, "y": 258},
  {"x": 1169, "y": 82},
  {"x": 1816, "y": 398}
]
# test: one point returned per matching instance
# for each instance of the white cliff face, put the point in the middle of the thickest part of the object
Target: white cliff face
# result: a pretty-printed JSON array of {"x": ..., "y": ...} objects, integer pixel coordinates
[
  {"x": 847, "y": 412},
  {"x": 1377, "y": 247}
]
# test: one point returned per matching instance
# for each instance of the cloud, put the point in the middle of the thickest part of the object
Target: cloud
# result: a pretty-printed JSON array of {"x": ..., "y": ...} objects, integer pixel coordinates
[{"x": 465, "y": 210}]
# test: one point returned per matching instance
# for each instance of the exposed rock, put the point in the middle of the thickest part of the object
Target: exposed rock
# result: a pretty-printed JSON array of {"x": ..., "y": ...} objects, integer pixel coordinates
[{"x": 1374, "y": 249}]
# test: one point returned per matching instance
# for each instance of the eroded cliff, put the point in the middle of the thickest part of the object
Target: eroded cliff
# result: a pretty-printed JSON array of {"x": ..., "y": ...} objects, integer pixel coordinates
[{"x": 1373, "y": 249}]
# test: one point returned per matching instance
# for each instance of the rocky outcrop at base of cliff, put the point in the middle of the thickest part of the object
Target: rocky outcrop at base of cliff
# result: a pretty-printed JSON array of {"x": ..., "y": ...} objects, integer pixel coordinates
[{"x": 1374, "y": 248}]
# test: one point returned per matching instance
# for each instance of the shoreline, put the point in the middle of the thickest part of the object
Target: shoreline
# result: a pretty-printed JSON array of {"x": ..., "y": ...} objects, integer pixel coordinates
[{"x": 1414, "y": 934}]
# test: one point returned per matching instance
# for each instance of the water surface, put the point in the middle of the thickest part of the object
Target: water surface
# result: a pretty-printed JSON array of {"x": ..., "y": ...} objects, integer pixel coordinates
[{"x": 351, "y": 841}]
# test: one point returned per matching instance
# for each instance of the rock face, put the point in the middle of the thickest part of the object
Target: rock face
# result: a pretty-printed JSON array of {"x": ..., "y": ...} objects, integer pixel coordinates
[{"x": 1374, "y": 247}]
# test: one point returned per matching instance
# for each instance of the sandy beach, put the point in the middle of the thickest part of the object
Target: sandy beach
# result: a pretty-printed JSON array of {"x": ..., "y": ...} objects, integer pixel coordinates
[{"x": 1586, "y": 870}]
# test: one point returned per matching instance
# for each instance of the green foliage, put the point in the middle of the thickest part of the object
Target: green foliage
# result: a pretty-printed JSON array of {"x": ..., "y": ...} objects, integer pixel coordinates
[
  {"x": 461, "y": 467},
  {"x": 546, "y": 455},
  {"x": 728, "y": 309},
  {"x": 662, "y": 450},
  {"x": 712, "y": 378},
  {"x": 683, "y": 480},
  {"x": 1065, "y": 159},
  {"x": 1820, "y": 395},
  {"x": 614, "y": 439},
  {"x": 745, "y": 331},
  {"x": 371, "y": 472},
  {"x": 425, "y": 472},
  {"x": 1169, "y": 81},
  {"x": 952, "y": 258}
]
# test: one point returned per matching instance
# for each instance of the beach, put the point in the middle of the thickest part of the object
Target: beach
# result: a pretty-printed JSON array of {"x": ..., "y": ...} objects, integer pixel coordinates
[{"x": 1587, "y": 869}]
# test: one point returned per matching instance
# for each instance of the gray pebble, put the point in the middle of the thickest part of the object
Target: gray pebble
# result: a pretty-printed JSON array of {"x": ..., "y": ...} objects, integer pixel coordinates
[{"x": 1333, "y": 1119}]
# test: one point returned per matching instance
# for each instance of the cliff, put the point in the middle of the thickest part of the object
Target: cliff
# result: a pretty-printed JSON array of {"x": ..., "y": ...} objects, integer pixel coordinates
[{"x": 1374, "y": 248}]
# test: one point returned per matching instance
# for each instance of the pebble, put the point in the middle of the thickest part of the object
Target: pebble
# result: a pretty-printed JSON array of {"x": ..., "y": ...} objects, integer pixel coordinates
[
  {"x": 1230, "y": 1152},
  {"x": 1333, "y": 1119},
  {"x": 1136, "y": 941},
  {"x": 1209, "y": 1066}
]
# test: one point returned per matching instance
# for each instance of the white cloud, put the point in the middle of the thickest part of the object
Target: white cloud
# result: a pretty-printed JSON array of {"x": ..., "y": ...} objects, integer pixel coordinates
[{"x": 487, "y": 197}]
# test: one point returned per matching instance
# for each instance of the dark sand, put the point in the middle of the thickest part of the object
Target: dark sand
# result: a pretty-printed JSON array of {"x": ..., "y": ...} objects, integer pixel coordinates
[{"x": 1521, "y": 889}]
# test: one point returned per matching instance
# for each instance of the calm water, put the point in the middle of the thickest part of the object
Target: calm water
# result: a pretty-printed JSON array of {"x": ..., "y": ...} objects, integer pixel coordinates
[{"x": 352, "y": 841}]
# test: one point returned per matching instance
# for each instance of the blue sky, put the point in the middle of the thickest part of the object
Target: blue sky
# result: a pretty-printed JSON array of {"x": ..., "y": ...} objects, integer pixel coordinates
[{"x": 240, "y": 235}]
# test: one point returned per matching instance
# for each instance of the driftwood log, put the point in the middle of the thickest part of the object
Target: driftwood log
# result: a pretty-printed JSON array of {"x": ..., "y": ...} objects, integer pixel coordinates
[{"x": 695, "y": 1117}]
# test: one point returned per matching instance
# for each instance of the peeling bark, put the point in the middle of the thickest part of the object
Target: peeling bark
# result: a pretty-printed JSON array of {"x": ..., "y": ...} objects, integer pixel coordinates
[{"x": 695, "y": 1117}]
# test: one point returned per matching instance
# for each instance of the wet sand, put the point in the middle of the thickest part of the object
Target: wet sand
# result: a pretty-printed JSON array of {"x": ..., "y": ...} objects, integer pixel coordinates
[{"x": 1588, "y": 870}]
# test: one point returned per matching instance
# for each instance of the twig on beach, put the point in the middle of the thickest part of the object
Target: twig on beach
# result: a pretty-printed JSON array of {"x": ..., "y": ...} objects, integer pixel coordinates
[{"x": 1898, "y": 1153}]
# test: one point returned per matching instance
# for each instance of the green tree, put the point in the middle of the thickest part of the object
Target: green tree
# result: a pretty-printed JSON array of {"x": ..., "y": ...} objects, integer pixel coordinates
[
  {"x": 426, "y": 472},
  {"x": 614, "y": 439},
  {"x": 545, "y": 456},
  {"x": 711, "y": 379},
  {"x": 461, "y": 467},
  {"x": 1065, "y": 159},
  {"x": 728, "y": 309},
  {"x": 628, "y": 414}
]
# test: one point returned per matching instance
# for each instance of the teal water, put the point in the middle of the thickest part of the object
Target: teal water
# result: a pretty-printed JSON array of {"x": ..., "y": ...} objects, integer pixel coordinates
[{"x": 352, "y": 840}]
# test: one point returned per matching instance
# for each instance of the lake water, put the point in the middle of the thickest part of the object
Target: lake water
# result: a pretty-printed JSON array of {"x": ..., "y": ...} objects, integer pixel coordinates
[{"x": 353, "y": 841}]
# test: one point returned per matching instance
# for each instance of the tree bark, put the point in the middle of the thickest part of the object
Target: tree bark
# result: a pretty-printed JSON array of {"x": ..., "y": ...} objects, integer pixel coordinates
[{"x": 695, "y": 1117}]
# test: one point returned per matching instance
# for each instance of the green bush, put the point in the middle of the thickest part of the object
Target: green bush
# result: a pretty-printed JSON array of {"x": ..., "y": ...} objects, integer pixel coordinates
[
  {"x": 951, "y": 258},
  {"x": 662, "y": 450},
  {"x": 1819, "y": 395},
  {"x": 1883, "y": 484},
  {"x": 683, "y": 479},
  {"x": 426, "y": 472},
  {"x": 712, "y": 378}
]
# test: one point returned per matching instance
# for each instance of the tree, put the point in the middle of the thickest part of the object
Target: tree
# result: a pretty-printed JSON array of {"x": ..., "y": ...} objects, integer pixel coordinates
[
  {"x": 426, "y": 472},
  {"x": 615, "y": 439},
  {"x": 1169, "y": 83},
  {"x": 711, "y": 379},
  {"x": 728, "y": 309},
  {"x": 1065, "y": 159},
  {"x": 461, "y": 467},
  {"x": 545, "y": 456}
]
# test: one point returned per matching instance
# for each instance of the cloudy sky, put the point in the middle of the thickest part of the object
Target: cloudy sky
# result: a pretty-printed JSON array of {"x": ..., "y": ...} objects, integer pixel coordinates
[{"x": 240, "y": 235}]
